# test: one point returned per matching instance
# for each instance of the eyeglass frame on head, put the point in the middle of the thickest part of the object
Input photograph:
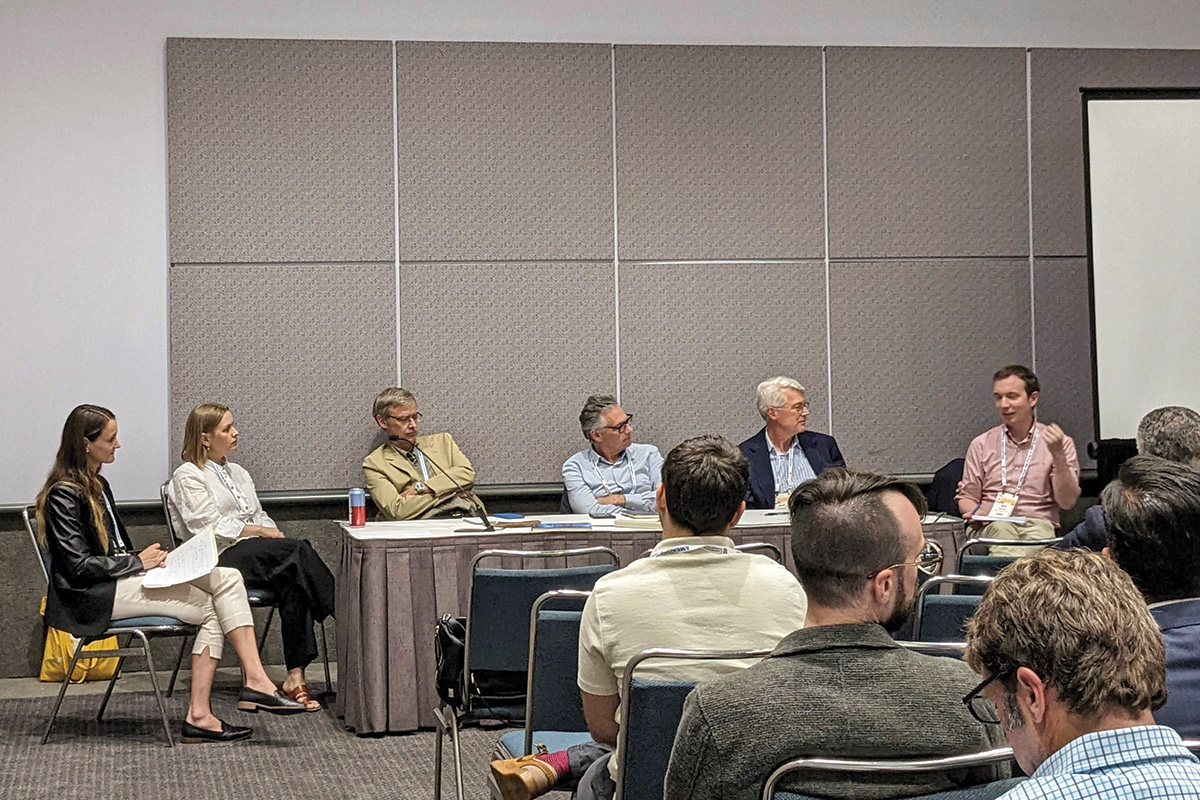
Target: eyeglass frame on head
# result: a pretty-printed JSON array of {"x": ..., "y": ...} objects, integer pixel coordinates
[
  {"x": 977, "y": 694},
  {"x": 413, "y": 417},
  {"x": 928, "y": 562},
  {"x": 621, "y": 428}
]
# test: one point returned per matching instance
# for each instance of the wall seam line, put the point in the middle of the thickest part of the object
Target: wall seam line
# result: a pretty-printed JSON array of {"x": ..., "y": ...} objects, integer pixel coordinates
[
  {"x": 396, "y": 202},
  {"x": 612, "y": 65},
  {"x": 825, "y": 202},
  {"x": 1029, "y": 201}
]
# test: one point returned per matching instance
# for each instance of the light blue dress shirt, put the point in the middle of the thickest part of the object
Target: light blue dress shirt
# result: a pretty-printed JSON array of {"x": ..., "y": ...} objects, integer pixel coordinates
[
  {"x": 1147, "y": 762},
  {"x": 636, "y": 474},
  {"x": 801, "y": 470}
]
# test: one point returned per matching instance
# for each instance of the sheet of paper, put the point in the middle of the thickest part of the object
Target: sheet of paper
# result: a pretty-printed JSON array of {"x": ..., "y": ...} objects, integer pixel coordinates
[
  {"x": 989, "y": 518},
  {"x": 193, "y": 559}
]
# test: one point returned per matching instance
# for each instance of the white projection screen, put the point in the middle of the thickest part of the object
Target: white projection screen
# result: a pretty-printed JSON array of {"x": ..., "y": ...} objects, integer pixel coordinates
[{"x": 1142, "y": 162}]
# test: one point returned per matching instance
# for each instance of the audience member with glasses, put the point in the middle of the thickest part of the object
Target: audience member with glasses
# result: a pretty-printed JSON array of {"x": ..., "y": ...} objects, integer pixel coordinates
[
  {"x": 840, "y": 686},
  {"x": 1073, "y": 670},
  {"x": 785, "y": 454},
  {"x": 416, "y": 477},
  {"x": 613, "y": 474}
]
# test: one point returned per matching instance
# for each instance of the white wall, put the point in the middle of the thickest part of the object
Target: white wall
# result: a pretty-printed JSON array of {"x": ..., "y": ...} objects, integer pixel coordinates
[{"x": 83, "y": 243}]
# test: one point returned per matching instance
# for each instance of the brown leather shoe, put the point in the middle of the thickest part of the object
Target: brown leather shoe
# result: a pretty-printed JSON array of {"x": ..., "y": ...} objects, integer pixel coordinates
[{"x": 523, "y": 778}]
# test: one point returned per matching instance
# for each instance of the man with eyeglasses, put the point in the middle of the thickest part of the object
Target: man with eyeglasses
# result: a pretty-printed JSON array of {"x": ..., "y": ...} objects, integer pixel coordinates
[
  {"x": 411, "y": 476},
  {"x": 613, "y": 474},
  {"x": 785, "y": 453},
  {"x": 840, "y": 686},
  {"x": 1073, "y": 669}
]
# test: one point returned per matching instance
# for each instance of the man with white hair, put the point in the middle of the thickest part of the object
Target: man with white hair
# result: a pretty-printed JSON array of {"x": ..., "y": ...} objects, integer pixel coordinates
[{"x": 785, "y": 453}]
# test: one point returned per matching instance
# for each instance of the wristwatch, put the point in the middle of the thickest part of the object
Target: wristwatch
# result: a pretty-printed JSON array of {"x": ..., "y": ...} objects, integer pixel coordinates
[{"x": 420, "y": 487}]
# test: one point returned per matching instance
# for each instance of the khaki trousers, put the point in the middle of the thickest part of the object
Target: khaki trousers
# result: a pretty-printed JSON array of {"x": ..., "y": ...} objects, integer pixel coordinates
[
  {"x": 1033, "y": 529},
  {"x": 216, "y": 602}
]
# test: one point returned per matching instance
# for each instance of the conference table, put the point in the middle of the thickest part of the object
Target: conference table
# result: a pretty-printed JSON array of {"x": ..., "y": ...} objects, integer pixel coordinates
[{"x": 395, "y": 580}]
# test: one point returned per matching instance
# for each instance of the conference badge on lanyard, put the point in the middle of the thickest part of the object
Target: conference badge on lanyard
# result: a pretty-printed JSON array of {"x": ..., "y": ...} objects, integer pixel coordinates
[
  {"x": 1004, "y": 505},
  {"x": 1006, "y": 501}
]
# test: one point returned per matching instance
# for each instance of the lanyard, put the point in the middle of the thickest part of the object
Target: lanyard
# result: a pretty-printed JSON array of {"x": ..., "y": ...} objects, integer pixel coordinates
[
  {"x": 121, "y": 548},
  {"x": 242, "y": 503},
  {"x": 1004, "y": 459},
  {"x": 687, "y": 548},
  {"x": 613, "y": 475}
]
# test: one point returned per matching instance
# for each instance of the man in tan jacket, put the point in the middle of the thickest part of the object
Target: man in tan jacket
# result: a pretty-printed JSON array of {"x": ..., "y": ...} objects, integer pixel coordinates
[{"x": 411, "y": 476}]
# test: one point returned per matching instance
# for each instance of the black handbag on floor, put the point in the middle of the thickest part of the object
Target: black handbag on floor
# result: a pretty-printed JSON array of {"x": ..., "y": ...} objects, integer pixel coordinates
[{"x": 450, "y": 648}]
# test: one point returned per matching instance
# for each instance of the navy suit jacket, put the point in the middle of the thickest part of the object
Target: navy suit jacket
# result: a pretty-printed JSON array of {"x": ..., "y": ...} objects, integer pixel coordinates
[
  {"x": 1091, "y": 534},
  {"x": 1180, "y": 626},
  {"x": 820, "y": 449}
]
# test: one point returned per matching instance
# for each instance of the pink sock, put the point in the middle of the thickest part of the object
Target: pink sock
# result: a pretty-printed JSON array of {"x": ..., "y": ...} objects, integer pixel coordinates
[{"x": 559, "y": 760}]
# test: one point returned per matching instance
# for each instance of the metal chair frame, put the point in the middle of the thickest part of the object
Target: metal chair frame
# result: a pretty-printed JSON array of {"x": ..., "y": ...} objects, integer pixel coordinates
[
  {"x": 142, "y": 632},
  {"x": 937, "y": 582},
  {"x": 533, "y": 626},
  {"x": 746, "y": 547},
  {"x": 987, "y": 541},
  {"x": 666, "y": 653},
  {"x": 255, "y": 601},
  {"x": 446, "y": 719},
  {"x": 946, "y": 649}
]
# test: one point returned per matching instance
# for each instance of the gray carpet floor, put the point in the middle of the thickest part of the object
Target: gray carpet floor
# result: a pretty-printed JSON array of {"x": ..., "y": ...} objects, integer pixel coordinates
[{"x": 304, "y": 756}]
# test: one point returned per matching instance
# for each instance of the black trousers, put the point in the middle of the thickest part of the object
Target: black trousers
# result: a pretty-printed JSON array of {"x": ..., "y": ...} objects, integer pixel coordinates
[{"x": 292, "y": 571}]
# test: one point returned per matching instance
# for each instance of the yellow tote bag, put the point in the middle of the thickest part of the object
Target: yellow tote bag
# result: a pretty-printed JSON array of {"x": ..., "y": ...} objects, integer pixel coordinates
[{"x": 60, "y": 646}]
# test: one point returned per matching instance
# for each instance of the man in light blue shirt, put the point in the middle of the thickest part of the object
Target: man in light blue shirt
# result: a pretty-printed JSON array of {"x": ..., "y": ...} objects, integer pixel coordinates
[
  {"x": 613, "y": 474},
  {"x": 1074, "y": 667}
]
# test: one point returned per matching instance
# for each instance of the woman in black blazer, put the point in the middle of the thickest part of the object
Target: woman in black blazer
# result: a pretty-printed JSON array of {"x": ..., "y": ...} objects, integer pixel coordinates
[{"x": 95, "y": 576}]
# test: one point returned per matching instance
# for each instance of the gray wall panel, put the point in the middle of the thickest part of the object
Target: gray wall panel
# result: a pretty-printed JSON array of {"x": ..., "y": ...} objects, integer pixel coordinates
[
  {"x": 927, "y": 152},
  {"x": 697, "y": 339},
  {"x": 1064, "y": 348},
  {"x": 503, "y": 355},
  {"x": 719, "y": 152},
  {"x": 914, "y": 348},
  {"x": 279, "y": 151},
  {"x": 505, "y": 151},
  {"x": 298, "y": 353},
  {"x": 1057, "y": 128}
]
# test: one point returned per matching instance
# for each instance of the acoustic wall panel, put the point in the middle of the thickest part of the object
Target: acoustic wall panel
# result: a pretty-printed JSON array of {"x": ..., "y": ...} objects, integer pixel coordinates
[
  {"x": 697, "y": 338},
  {"x": 505, "y": 151},
  {"x": 297, "y": 352},
  {"x": 1064, "y": 348},
  {"x": 915, "y": 344},
  {"x": 279, "y": 151},
  {"x": 719, "y": 152},
  {"x": 503, "y": 355},
  {"x": 927, "y": 152},
  {"x": 1059, "y": 226}
]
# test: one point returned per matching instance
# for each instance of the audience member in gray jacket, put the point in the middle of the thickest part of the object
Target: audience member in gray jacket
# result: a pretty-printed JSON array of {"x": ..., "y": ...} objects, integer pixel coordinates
[{"x": 840, "y": 686}]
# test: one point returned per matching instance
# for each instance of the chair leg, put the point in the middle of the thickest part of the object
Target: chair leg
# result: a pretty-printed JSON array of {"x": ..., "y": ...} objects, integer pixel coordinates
[
  {"x": 162, "y": 704},
  {"x": 111, "y": 684},
  {"x": 459, "y": 784},
  {"x": 267, "y": 627},
  {"x": 178, "y": 662},
  {"x": 437, "y": 754},
  {"x": 325, "y": 654},
  {"x": 63, "y": 689}
]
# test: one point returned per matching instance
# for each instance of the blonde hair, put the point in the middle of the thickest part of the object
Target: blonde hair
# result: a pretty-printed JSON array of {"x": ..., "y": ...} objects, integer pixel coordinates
[
  {"x": 204, "y": 419},
  {"x": 392, "y": 396},
  {"x": 1076, "y": 619},
  {"x": 70, "y": 466}
]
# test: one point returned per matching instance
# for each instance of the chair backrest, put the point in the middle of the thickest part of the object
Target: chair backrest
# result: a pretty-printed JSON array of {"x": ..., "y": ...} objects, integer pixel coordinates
[
  {"x": 942, "y": 617},
  {"x": 564, "y": 503},
  {"x": 552, "y": 701},
  {"x": 166, "y": 508},
  {"x": 1000, "y": 755},
  {"x": 940, "y": 495},
  {"x": 954, "y": 650},
  {"x": 501, "y": 601},
  {"x": 763, "y": 548},
  {"x": 650, "y": 714},
  {"x": 29, "y": 517},
  {"x": 981, "y": 563}
]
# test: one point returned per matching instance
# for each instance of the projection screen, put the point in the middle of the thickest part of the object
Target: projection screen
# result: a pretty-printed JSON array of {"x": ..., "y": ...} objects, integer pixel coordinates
[{"x": 1142, "y": 167}]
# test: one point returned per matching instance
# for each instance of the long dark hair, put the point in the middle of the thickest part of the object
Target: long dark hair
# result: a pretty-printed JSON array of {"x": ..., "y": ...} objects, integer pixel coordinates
[{"x": 71, "y": 469}]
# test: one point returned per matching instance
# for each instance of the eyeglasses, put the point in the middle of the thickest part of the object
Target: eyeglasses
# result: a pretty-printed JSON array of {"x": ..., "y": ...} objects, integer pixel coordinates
[
  {"x": 928, "y": 562},
  {"x": 980, "y": 707},
  {"x": 622, "y": 427},
  {"x": 797, "y": 407},
  {"x": 415, "y": 417}
]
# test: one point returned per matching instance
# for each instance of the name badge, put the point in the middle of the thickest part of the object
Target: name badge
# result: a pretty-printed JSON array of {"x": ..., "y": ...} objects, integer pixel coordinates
[
  {"x": 781, "y": 499},
  {"x": 1004, "y": 505}
]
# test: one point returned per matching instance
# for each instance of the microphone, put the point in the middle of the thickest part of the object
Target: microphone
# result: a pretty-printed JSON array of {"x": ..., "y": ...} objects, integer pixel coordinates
[{"x": 487, "y": 524}]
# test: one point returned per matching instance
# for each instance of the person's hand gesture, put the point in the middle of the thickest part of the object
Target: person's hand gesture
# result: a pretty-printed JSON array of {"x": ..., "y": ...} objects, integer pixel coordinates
[{"x": 153, "y": 556}]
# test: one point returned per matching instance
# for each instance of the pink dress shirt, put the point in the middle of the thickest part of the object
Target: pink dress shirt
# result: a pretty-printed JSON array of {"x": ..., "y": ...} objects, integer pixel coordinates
[{"x": 981, "y": 473}]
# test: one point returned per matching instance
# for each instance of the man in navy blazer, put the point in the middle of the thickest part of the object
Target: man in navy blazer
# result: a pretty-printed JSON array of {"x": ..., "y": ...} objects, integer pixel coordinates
[
  {"x": 784, "y": 453},
  {"x": 1152, "y": 511}
]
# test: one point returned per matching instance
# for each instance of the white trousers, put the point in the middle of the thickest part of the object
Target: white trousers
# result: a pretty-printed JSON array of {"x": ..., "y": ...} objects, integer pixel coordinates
[{"x": 216, "y": 602}]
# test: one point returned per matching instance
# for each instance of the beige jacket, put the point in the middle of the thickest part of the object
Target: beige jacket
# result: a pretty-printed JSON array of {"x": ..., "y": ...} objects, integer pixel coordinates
[{"x": 388, "y": 473}]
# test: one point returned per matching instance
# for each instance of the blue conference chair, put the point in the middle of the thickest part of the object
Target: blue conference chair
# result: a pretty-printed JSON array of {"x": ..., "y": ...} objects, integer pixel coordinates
[
  {"x": 497, "y": 635},
  {"x": 943, "y": 617},
  {"x": 553, "y": 709},
  {"x": 140, "y": 628},
  {"x": 983, "y": 563},
  {"x": 897, "y": 767},
  {"x": 257, "y": 598},
  {"x": 650, "y": 714}
]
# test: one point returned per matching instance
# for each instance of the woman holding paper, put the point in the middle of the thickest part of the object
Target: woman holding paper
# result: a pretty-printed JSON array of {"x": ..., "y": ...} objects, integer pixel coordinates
[
  {"x": 211, "y": 494},
  {"x": 95, "y": 577}
]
